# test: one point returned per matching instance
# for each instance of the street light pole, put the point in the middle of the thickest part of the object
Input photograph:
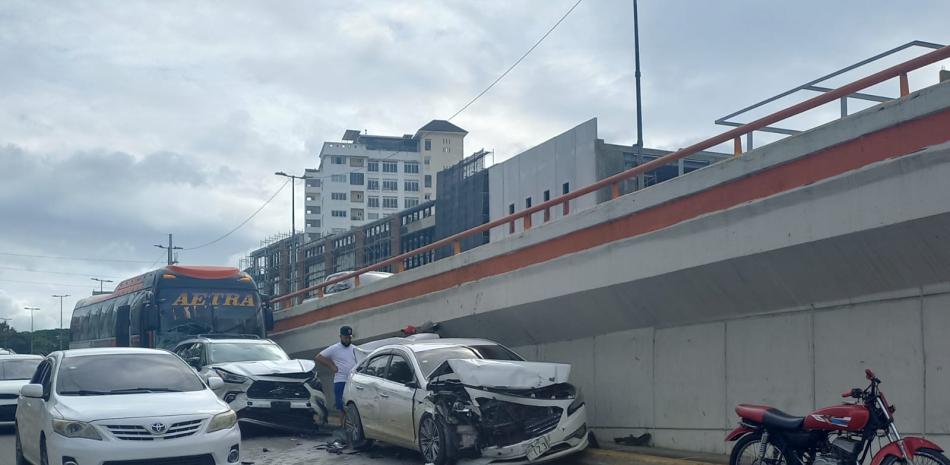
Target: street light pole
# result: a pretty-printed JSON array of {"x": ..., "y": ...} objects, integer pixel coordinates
[
  {"x": 32, "y": 311},
  {"x": 61, "y": 297},
  {"x": 100, "y": 283},
  {"x": 293, "y": 228}
]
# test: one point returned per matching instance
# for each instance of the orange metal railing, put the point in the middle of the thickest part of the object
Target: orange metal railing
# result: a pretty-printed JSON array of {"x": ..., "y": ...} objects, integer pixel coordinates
[{"x": 614, "y": 182}]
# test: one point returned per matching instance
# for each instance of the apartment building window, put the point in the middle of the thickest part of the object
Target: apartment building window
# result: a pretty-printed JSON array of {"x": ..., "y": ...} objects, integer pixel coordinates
[
  {"x": 357, "y": 162},
  {"x": 390, "y": 202},
  {"x": 428, "y": 144},
  {"x": 372, "y": 184},
  {"x": 356, "y": 196},
  {"x": 373, "y": 165},
  {"x": 412, "y": 168},
  {"x": 313, "y": 210},
  {"x": 373, "y": 216},
  {"x": 428, "y": 180},
  {"x": 309, "y": 198},
  {"x": 411, "y": 186},
  {"x": 338, "y": 213},
  {"x": 390, "y": 167},
  {"x": 428, "y": 197},
  {"x": 427, "y": 160},
  {"x": 372, "y": 202},
  {"x": 313, "y": 224},
  {"x": 547, "y": 211},
  {"x": 411, "y": 202},
  {"x": 356, "y": 214},
  {"x": 511, "y": 226},
  {"x": 338, "y": 196},
  {"x": 390, "y": 185},
  {"x": 313, "y": 183},
  {"x": 356, "y": 179},
  {"x": 337, "y": 160},
  {"x": 566, "y": 188},
  {"x": 338, "y": 177},
  {"x": 527, "y": 202},
  {"x": 547, "y": 195}
]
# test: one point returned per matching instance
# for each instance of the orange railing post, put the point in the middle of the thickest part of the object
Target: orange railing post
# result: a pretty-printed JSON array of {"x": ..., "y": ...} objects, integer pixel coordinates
[
  {"x": 456, "y": 247},
  {"x": 737, "y": 146},
  {"x": 614, "y": 190},
  {"x": 527, "y": 222},
  {"x": 905, "y": 85}
]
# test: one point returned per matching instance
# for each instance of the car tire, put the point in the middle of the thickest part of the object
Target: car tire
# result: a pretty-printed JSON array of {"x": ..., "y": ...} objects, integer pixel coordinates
[
  {"x": 353, "y": 427},
  {"x": 437, "y": 443},
  {"x": 44, "y": 455},
  {"x": 20, "y": 459}
]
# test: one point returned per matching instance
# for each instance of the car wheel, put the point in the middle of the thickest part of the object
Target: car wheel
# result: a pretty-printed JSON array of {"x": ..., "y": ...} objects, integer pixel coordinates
[
  {"x": 20, "y": 460},
  {"x": 436, "y": 443},
  {"x": 44, "y": 457},
  {"x": 353, "y": 427}
]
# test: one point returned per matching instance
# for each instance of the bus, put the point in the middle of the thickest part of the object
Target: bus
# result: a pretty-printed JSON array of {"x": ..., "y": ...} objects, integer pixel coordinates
[{"x": 160, "y": 308}]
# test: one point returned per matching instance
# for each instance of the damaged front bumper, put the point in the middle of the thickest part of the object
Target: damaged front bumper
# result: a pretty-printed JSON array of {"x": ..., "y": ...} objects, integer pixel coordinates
[
  {"x": 568, "y": 437},
  {"x": 281, "y": 404}
]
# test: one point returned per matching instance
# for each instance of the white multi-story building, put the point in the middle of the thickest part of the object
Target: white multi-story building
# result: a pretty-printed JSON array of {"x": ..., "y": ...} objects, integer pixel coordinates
[{"x": 367, "y": 177}]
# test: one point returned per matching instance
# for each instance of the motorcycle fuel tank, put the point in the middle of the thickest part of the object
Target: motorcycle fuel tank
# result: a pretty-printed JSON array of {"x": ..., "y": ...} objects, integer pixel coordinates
[{"x": 847, "y": 417}]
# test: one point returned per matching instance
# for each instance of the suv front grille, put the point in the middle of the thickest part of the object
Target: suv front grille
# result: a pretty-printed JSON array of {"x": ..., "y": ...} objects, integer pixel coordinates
[
  {"x": 277, "y": 390},
  {"x": 141, "y": 433}
]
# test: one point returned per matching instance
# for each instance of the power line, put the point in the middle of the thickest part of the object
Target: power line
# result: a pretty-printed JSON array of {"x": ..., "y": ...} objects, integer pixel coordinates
[
  {"x": 546, "y": 34},
  {"x": 282, "y": 186},
  {"x": 83, "y": 259},
  {"x": 10, "y": 268}
]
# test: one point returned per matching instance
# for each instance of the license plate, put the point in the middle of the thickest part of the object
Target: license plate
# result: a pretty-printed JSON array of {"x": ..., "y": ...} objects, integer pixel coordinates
[
  {"x": 538, "y": 447},
  {"x": 280, "y": 405}
]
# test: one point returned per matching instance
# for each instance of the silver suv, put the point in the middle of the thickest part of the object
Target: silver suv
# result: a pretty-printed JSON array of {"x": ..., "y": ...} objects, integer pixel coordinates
[{"x": 261, "y": 383}]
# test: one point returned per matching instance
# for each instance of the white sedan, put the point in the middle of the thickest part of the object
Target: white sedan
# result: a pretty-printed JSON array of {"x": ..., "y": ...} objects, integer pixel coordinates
[
  {"x": 15, "y": 371},
  {"x": 119, "y": 405},
  {"x": 447, "y": 396}
]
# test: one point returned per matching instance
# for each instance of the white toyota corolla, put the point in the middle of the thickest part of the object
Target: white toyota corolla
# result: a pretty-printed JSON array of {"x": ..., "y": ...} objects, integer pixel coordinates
[
  {"x": 123, "y": 405},
  {"x": 447, "y": 396}
]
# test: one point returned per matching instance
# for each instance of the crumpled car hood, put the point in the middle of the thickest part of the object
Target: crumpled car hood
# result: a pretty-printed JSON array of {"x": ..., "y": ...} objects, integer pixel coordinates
[
  {"x": 267, "y": 368},
  {"x": 509, "y": 374}
]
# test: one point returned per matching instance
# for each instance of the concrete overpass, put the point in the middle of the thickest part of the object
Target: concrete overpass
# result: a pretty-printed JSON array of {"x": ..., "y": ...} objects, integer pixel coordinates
[{"x": 773, "y": 277}]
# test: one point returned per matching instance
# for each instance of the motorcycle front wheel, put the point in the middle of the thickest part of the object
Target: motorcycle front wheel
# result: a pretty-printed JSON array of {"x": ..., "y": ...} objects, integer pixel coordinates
[
  {"x": 747, "y": 450},
  {"x": 922, "y": 456}
]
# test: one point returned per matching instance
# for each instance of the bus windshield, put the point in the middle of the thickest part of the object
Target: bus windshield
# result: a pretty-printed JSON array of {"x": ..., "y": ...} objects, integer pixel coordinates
[{"x": 186, "y": 312}]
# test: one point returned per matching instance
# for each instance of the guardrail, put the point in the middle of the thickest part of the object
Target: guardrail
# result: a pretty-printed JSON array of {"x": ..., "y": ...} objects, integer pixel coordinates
[{"x": 614, "y": 182}]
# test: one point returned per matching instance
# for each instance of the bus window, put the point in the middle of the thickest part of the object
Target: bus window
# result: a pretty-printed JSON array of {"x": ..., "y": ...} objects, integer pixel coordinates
[{"x": 135, "y": 314}]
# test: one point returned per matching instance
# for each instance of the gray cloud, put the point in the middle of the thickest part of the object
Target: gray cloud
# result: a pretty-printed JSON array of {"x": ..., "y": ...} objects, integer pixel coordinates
[{"x": 123, "y": 122}]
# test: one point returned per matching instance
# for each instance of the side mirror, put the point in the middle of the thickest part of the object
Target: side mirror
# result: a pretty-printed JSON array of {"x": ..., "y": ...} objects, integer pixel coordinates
[
  {"x": 194, "y": 362},
  {"x": 34, "y": 391},
  {"x": 215, "y": 382}
]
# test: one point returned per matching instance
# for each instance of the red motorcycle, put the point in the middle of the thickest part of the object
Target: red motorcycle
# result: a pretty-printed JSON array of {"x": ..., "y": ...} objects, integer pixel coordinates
[{"x": 839, "y": 435}]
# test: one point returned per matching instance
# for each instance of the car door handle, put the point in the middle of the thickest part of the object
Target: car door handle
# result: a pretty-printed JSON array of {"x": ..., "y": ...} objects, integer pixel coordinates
[
  {"x": 383, "y": 395},
  {"x": 358, "y": 387}
]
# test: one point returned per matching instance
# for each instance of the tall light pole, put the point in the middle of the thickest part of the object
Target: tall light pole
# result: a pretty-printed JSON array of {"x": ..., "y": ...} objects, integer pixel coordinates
[
  {"x": 171, "y": 250},
  {"x": 32, "y": 311},
  {"x": 60, "y": 297},
  {"x": 100, "y": 283},
  {"x": 293, "y": 228}
]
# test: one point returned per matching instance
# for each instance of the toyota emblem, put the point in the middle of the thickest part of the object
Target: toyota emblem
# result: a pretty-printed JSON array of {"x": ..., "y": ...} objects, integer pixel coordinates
[{"x": 158, "y": 428}]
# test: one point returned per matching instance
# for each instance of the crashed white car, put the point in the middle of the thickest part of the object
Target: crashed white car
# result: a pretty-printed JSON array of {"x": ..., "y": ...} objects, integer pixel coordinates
[
  {"x": 261, "y": 383},
  {"x": 449, "y": 397},
  {"x": 15, "y": 372}
]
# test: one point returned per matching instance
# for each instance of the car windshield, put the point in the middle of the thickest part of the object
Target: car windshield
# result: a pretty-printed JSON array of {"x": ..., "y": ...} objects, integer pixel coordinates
[
  {"x": 430, "y": 359},
  {"x": 224, "y": 352},
  {"x": 18, "y": 369},
  {"x": 125, "y": 374}
]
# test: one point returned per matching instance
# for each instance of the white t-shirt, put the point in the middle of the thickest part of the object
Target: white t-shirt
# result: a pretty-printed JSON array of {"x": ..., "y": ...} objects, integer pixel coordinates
[{"x": 343, "y": 357}]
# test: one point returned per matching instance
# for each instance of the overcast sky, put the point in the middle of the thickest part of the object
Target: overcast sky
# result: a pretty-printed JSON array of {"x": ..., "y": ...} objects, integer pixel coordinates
[{"x": 121, "y": 122}]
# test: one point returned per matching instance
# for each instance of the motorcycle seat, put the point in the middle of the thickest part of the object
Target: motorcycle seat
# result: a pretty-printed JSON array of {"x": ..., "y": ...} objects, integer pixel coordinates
[{"x": 769, "y": 416}]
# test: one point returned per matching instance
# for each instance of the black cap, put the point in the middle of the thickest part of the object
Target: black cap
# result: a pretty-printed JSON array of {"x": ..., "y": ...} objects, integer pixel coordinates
[{"x": 346, "y": 331}]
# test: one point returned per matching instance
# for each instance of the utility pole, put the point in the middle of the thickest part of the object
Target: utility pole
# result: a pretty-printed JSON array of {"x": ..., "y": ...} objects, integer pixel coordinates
[
  {"x": 32, "y": 311},
  {"x": 171, "y": 249},
  {"x": 60, "y": 297},
  {"x": 100, "y": 284},
  {"x": 293, "y": 228},
  {"x": 636, "y": 53}
]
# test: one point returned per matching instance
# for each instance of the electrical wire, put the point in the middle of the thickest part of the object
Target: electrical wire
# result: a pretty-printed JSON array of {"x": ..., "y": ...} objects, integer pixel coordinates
[
  {"x": 281, "y": 188},
  {"x": 85, "y": 259},
  {"x": 10, "y": 268},
  {"x": 546, "y": 34}
]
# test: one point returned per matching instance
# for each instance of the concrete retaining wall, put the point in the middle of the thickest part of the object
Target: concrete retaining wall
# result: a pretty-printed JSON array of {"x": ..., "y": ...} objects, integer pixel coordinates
[{"x": 682, "y": 383}]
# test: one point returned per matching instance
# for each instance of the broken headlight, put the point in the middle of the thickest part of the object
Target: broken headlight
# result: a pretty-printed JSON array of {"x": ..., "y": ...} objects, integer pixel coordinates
[
  {"x": 315, "y": 383},
  {"x": 229, "y": 377},
  {"x": 578, "y": 403}
]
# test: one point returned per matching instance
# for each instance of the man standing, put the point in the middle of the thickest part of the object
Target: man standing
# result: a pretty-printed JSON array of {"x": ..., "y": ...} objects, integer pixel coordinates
[{"x": 340, "y": 358}]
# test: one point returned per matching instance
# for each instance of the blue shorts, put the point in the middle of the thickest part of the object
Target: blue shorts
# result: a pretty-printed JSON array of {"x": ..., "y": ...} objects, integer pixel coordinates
[{"x": 338, "y": 394}]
